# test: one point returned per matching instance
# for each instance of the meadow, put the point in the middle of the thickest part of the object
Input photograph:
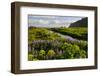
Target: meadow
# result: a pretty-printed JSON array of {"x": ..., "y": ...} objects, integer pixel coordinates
[
  {"x": 57, "y": 43},
  {"x": 76, "y": 32}
]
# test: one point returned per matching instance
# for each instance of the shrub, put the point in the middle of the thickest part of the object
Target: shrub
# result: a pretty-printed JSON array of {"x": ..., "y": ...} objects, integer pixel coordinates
[
  {"x": 83, "y": 54},
  {"x": 42, "y": 53},
  {"x": 71, "y": 51},
  {"x": 30, "y": 57},
  {"x": 51, "y": 54},
  {"x": 60, "y": 57}
]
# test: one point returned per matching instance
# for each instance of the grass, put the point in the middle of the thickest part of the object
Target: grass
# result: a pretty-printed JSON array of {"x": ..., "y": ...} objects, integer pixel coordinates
[
  {"x": 41, "y": 34},
  {"x": 79, "y": 33},
  {"x": 48, "y": 45}
]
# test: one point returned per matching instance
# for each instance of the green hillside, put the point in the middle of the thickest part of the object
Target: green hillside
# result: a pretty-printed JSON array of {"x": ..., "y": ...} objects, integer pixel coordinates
[{"x": 41, "y": 34}]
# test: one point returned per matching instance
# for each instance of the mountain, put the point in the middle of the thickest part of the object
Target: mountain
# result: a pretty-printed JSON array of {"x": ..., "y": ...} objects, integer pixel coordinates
[{"x": 80, "y": 23}]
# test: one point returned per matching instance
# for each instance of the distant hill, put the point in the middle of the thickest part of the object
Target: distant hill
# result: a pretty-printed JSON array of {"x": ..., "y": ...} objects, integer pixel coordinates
[{"x": 81, "y": 23}]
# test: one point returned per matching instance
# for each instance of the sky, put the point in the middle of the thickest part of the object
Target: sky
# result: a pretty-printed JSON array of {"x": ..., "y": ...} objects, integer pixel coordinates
[{"x": 51, "y": 21}]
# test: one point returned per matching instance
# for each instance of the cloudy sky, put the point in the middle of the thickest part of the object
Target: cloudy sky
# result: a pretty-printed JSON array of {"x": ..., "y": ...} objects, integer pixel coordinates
[{"x": 51, "y": 21}]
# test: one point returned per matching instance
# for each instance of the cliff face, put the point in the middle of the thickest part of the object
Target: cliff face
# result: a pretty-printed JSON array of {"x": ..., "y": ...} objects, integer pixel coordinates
[{"x": 81, "y": 23}]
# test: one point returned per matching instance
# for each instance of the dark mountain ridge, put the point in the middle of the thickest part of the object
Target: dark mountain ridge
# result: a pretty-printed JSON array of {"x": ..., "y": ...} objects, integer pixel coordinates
[{"x": 81, "y": 23}]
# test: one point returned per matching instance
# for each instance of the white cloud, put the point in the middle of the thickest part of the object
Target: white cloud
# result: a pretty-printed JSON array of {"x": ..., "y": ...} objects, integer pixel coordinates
[
  {"x": 51, "y": 21},
  {"x": 43, "y": 21}
]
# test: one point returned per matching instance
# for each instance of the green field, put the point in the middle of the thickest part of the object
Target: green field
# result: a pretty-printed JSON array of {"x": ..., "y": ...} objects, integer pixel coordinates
[
  {"x": 76, "y": 32},
  {"x": 41, "y": 34},
  {"x": 52, "y": 43}
]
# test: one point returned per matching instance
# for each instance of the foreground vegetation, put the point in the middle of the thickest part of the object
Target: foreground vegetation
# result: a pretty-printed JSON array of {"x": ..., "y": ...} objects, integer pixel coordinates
[{"x": 46, "y": 44}]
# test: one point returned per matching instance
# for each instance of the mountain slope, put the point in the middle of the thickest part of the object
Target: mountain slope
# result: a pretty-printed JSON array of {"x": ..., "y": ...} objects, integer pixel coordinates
[{"x": 81, "y": 23}]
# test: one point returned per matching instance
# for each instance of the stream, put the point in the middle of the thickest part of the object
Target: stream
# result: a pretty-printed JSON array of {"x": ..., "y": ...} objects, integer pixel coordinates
[{"x": 66, "y": 37}]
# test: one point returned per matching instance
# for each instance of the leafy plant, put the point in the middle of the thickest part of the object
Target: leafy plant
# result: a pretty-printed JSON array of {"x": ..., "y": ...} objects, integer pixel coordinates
[
  {"x": 30, "y": 57},
  {"x": 51, "y": 54},
  {"x": 42, "y": 54}
]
